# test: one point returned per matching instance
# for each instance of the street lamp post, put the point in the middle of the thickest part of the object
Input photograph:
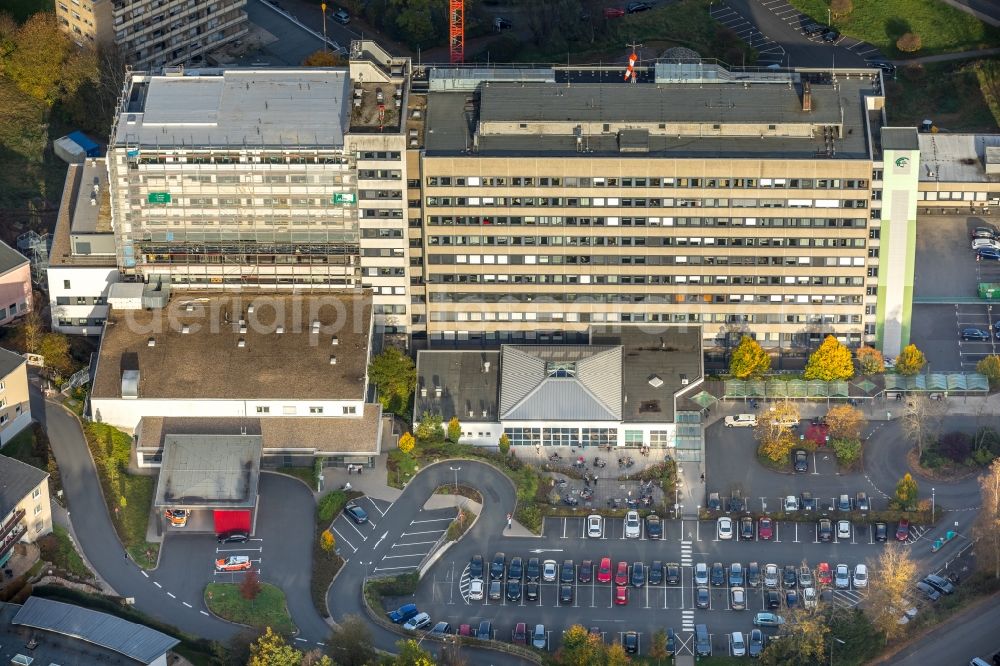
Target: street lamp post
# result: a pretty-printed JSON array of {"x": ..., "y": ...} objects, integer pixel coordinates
[
  {"x": 456, "y": 470},
  {"x": 323, "y": 7},
  {"x": 835, "y": 640},
  {"x": 933, "y": 506}
]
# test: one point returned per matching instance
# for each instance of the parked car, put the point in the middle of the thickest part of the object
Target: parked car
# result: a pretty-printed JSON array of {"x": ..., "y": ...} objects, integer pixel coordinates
[
  {"x": 621, "y": 595},
  {"x": 356, "y": 513},
  {"x": 988, "y": 254},
  {"x": 805, "y": 577},
  {"x": 791, "y": 599},
  {"x": 740, "y": 421},
  {"x": 861, "y": 502},
  {"x": 756, "y": 643},
  {"x": 549, "y": 571},
  {"x": 737, "y": 598},
  {"x": 418, "y": 621},
  {"x": 539, "y": 638},
  {"x": 768, "y": 620},
  {"x": 567, "y": 572},
  {"x": 565, "y": 594},
  {"x": 516, "y": 568},
  {"x": 979, "y": 243},
  {"x": 984, "y": 232},
  {"x": 746, "y": 528},
  {"x": 765, "y": 529},
  {"x": 771, "y": 575},
  {"x": 807, "y": 501},
  {"x": 534, "y": 569},
  {"x": 638, "y": 574},
  {"x": 714, "y": 504},
  {"x": 975, "y": 334},
  {"x": 613, "y": 12},
  {"x": 737, "y": 646},
  {"x": 824, "y": 530},
  {"x": 724, "y": 527},
  {"x": 441, "y": 629},
  {"x": 403, "y": 613},
  {"x": 498, "y": 566},
  {"x": 636, "y": 7},
  {"x": 830, "y": 35},
  {"x": 476, "y": 567},
  {"x": 942, "y": 585},
  {"x": 842, "y": 577},
  {"x": 843, "y": 529},
  {"x": 701, "y": 574},
  {"x": 633, "y": 527},
  {"x": 621, "y": 574},
  {"x": 844, "y": 503},
  {"x": 881, "y": 532},
  {"x": 673, "y": 576},
  {"x": 753, "y": 574},
  {"x": 513, "y": 589},
  {"x": 604, "y": 570},
  {"x": 176, "y": 517},
  {"x": 341, "y": 16},
  {"x": 233, "y": 536},
  {"x": 702, "y": 599},
  {"x": 485, "y": 631},
  {"x": 654, "y": 527},
  {"x": 519, "y": 636},
  {"x": 860, "y": 578},
  {"x": 465, "y": 630},
  {"x": 823, "y": 574},
  {"x": 929, "y": 591},
  {"x": 531, "y": 591},
  {"x": 813, "y": 29},
  {"x": 586, "y": 571},
  {"x": 791, "y": 503},
  {"x": 718, "y": 575},
  {"x": 801, "y": 458},
  {"x": 903, "y": 530},
  {"x": 630, "y": 641},
  {"x": 476, "y": 589},
  {"x": 595, "y": 526},
  {"x": 671, "y": 642},
  {"x": 809, "y": 597},
  {"x": 772, "y": 599},
  {"x": 735, "y": 575},
  {"x": 496, "y": 590},
  {"x": 233, "y": 563},
  {"x": 656, "y": 573},
  {"x": 788, "y": 576}
]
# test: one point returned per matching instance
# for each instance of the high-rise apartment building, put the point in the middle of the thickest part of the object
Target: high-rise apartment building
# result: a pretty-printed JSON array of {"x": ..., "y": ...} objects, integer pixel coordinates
[
  {"x": 153, "y": 33},
  {"x": 273, "y": 179}
]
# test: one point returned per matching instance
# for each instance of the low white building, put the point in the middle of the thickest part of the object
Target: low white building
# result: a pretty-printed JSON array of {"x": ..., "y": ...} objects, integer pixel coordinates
[
  {"x": 82, "y": 264},
  {"x": 630, "y": 387}
]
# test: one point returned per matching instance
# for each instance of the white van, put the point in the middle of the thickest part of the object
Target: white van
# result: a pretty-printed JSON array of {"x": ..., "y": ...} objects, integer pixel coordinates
[{"x": 741, "y": 421}]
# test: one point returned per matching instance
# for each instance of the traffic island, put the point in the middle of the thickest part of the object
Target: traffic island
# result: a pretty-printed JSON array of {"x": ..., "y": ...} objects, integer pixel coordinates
[{"x": 230, "y": 602}]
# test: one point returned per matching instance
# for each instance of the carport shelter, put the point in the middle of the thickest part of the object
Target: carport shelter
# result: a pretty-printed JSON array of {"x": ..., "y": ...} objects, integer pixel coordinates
[{"x": 213, "y": 476}]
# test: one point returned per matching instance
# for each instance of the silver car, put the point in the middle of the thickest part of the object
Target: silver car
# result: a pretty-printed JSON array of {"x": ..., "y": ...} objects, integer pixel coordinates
[
  {"x": 771, "y": 576},
  {"x": 842, "y": 577},
  {"x": 633, "y": 526},
  {"x": 549, "y": 571},
  {"x": 701, "y": 574}
]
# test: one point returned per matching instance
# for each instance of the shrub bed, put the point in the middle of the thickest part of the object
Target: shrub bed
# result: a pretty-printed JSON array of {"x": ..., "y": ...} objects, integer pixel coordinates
[
  {"x": 268, "y": 609},
  {"x": 326, "y": 564}
]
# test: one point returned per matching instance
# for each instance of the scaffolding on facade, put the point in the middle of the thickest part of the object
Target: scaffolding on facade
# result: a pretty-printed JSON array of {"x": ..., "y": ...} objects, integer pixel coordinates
[{"x": 36, "y": 248}]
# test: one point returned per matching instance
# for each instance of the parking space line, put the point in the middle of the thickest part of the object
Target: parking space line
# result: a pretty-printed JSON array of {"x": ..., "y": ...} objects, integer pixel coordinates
[
  {"x": 343, "y": 539},
  {"x": 171, "y": 595},
  {"x": 157, "y": 584},
  {"x": 377, "y": 506},
  {"x": 203, "y": 613},
  {"x": 431, "y": 520},
  {"x": 351, "y": 523}
]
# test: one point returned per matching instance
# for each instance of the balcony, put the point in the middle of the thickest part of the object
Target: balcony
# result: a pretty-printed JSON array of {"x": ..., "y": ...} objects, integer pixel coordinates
[{"x": 11, "y": 532}]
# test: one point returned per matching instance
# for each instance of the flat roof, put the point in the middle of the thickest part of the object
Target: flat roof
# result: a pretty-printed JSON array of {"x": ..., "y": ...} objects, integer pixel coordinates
[
  {"x": 217, "y": 471},
  {"x": 452, "y": 121},
  {"x": 17, "y": 479},
  {"x": 76, "y": 215},
  {"x": 899, "y": 138},
  {"x": 10, "y": 258},
  {"x": 207, "y": 362},
  {"x": 467, "y": 388},
  {"x": 136, "y": 641},
  {"x": 297, "y": 434},
  {"x": 236, "y": 107},
  {"x": 956, "y": 158},
  {"x": 657, "y": 362}
]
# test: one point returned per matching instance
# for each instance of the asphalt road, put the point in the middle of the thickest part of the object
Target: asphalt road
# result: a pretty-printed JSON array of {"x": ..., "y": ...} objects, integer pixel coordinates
[
  {"x": 972, "y": 633},
  {"x": 293, "y": 43}
]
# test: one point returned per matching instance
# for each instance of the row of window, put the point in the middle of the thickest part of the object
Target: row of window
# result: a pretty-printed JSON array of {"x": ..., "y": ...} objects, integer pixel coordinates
[
  {"x": 645, "y": 317},
  {"x": 957, "y": 196},
  {"x": 327, "y": 218},
  {"x": 468, "y": 298},
  {"x": 549, "y": 278},
  {"x": 640, "y": 260},
  {"x": 81, "y": 300},
  {"x": 291, "y": 410},
  {"x": 597, "y": 181},
  {"x": 239, "y": 158},
  {"x": 647, "y": 241},
  {"x": 557, "y": 220},
  {"x": 380, "y": 174},
  {"x": 236, "y": 201},
  {"x": 95, "y": 322},
  {"x": 598, "y": 202}
]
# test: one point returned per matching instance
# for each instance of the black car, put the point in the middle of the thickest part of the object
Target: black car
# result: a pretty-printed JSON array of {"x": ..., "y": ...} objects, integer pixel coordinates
[
  {"x": 516, "y": 568},
  {"x": 756, "y": 643},
  {"x": 513, "y": 589},
  {"x": 654, "y": 527},
  {"x": 499, "y": 564},
  {"x": 568, "y": 572},
  {"x": 807, "y": 501},
  {"x": 656, "y": 572},
  {"x": 702, "y": 597},
  {"x": 830, "y": 35},
  {"x": 801, "y": 458},
  {"x": 630, "y": 641},
  {"x": 671, "y": 642},
  {"x": 862, "y": 503},
  {"x": 714, "y": 503},
  {"x": 881, "y": 532},
  {"x": 531, "y": 591},
  {"x": 984, "y": 232},
  {"x": 237, "y": 536},
  {"x": 636, "y": 7},
  {"x": 586, "y": 572},
  {"x": 566, "y": 594},
  {"x": 718, "y": 574},
  {"x": 534, "y": 569},
  {"x": 746, "y": 528},
  {"x": 356, "y": 513},
  {"x": 885, "y": 66},
  {"x": 673, "y": 573},
  {"x": 813, "y": 29},
  {"x": 476, "y": 567},
  {"x": 790, "y": 579},
  {"x": 638, "y": 574},
  {"x": 737, "y": 504},
  {"x": 824, "y": 531},
  {"x": 773, "y": 599},
  {"x": 753, "y": 574},
  {"x": 975, "y": 334}
]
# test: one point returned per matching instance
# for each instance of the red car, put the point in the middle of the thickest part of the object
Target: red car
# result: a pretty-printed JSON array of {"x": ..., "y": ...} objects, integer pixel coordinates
[
  {"x": 520, "y": 634},
  {"x": 621, "y": 596},
  {"x": 621, "y": 575},
  {"x": 823, "y": 574},
  {"x": 604, "y": 571},
  {"x": 464, "y": 630},
  {"x": 613, "y": 12},
  {"x": 903, "y": 530},
  {"x": 765, "y": 529}
]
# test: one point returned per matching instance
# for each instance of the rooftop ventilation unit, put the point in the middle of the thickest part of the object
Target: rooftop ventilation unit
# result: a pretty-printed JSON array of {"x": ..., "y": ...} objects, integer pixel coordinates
[
  {"x": 241, "y": 343},
  {"x": 486, "y": 366},
  {"x": 423, "y": 391},
  {"x": 335, "y": 340},
  {"x": 333, "y": 360},
  {"x": 684, "y": 380},
  {"x": 279, "y": 330},
  {"x": 189, "y": 307},
  {"x": 437, "y": 391},
  {"x": 151, "y": 342},
  {"x": 249, "y": 309},
  {"x": 243, "y": 328},
  {"x": 185, "y": 329},
  {"x": 315, "y": 326},
  {"x": 655, "y": 381}
]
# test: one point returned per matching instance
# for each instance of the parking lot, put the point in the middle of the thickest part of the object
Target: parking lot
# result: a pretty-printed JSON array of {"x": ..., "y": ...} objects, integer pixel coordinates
[
  {"x": 686, "y": 543},
  {"x": 769, "y": 52},
  {"x": 801, "y": 23}
]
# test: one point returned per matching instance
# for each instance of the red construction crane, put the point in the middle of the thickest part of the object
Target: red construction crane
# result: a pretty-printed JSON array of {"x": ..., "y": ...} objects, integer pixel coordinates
[{"x": 456, "y": 31}]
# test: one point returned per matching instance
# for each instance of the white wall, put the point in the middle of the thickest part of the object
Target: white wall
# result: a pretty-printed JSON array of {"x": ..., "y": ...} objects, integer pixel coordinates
[
  {"x": 126, "y": 414},
  {"x": 15, "y": 426},
  {"x": 492, "y": 431},
  {"x": 84, "y": 281}
]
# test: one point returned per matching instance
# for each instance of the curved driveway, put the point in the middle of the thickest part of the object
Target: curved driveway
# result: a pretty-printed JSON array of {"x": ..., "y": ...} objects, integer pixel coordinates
[{"x": 499, "y": 498}]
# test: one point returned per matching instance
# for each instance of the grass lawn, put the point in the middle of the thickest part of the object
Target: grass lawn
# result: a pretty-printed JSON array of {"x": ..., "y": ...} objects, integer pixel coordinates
[
  {"x": 129, "y": 497},
  {"x": 22, "y": 448},
  {"x": 307, "y": 474},
  {"x": 58, "y": 549},
  {"x": 267, "y": 610},
  {"x": 22, "y": 9},
  {"x": 942, "y": 28},
  {"x": 950, "y": 94}
]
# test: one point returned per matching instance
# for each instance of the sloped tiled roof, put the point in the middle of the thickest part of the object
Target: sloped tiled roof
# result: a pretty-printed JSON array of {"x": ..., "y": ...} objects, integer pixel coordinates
[{"x": 529, "y": 391}]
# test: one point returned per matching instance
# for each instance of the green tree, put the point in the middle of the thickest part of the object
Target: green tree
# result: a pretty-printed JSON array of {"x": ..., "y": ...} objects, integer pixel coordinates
[
  {"x": 870, "y": 360},
  {"x": 848, "y": 451},
  {"x": 416, "y": 20},
  {"x": 429, "y": 428},
  {"x": 580, "y": 648},
  {"x": 658, "y": 650},
  {"x": 749, "y": 359},
  {"x": 406, "y": 442},
  {"x": 395, "y": 375},
  {"x": 907, "y": 491},
  {"x": 454, "y": 429},
  {"x": 990, "y": 366},
  {"x": 41, "y": 60},
  {"x": 272, "y": 650},
  {"x": 327, "y": 541},
  {"x": 845, "y": 422},
  {"x": 411, "y": 654},
  {"x": 55, "y": 348},
  {"x": 910, "y": 361},
  {"x": 832, "y": 361},
  {"x": 350, "y": 644},
  {"x": 504, "y": 444}
]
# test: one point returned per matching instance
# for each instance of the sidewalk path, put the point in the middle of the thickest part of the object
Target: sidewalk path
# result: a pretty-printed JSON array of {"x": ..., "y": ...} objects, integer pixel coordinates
[{"x": 946, "y": 57}]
